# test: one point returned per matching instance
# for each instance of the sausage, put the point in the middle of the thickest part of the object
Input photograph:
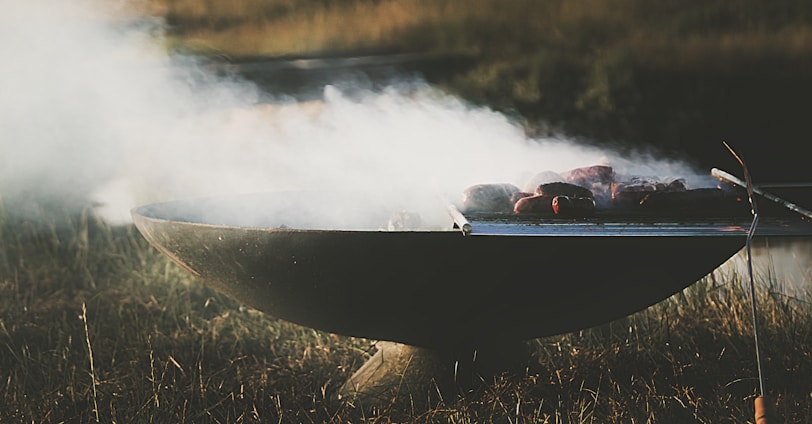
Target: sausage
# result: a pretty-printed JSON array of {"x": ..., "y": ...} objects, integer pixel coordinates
[
  {"x": 632, "y": 193},
  {"x": 537, "y": 203},
  {"x": 573, "y": 206},
  {"x": 489, "y": 198},
  {"x": 563, "y": 189},
  {"x": 677, "y": 185}
]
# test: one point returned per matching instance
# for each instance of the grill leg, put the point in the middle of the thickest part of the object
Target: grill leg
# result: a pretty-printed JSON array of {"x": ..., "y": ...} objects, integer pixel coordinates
[{"x": 421, "y": 376}]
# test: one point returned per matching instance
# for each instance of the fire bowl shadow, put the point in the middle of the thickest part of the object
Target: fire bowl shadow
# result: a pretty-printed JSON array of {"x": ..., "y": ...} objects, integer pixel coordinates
[{"x": 285, "y": 255}]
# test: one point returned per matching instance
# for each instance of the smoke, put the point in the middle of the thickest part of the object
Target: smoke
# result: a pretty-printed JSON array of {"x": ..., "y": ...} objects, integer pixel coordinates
[{"x": 93, "y": 107}]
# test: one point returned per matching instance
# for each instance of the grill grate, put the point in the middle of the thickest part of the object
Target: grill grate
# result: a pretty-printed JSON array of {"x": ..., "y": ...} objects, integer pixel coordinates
[{"x": 614, "y": 225}]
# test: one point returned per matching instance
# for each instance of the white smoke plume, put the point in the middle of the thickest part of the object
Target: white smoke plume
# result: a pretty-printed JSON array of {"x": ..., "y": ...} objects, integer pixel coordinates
[{"x": 92, "y": 105}]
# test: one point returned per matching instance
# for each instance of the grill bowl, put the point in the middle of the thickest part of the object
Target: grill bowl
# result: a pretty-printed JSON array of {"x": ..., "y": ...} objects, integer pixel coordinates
[{"x": 509, "y": 280}]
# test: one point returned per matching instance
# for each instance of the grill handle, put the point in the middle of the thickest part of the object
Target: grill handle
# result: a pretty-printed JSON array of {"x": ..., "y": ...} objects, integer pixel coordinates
[
  {"x": 459, "y": 219},
  {"x": 724, "y": 176}
]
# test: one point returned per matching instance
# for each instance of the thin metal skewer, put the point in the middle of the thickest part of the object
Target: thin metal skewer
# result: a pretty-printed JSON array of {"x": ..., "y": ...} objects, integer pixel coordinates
[{"x": 760, "y": 406}]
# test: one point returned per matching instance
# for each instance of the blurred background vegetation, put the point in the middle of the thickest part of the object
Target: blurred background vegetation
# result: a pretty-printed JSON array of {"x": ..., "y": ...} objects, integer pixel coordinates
[{"x": 679, "y": 76}]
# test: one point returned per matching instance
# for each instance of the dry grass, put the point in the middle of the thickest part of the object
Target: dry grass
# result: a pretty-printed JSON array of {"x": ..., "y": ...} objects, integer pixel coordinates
[{"x": 95, "y": 323}]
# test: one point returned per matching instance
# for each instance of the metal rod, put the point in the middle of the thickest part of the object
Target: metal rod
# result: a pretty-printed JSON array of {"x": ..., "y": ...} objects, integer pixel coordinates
[
  {"x": 722, "y": 175},
  {"x": 760, "y": 411},
  {"x": 753, "y": 295}
]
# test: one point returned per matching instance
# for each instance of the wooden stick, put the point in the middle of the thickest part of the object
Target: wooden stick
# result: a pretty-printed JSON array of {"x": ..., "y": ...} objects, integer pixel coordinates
[
  {"x": 761, "y": 410},
  {"x": 722, "y": 175}
]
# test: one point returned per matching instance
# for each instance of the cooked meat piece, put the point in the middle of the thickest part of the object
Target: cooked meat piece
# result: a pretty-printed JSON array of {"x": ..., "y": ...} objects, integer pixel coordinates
[
  {"x": 563, "y": 189},
  {"x": 538, "y": 203},
  {"x": 489, "y": 198},
  {"x": 677, "y": 185},
  {"x": 588, "y": 176},
  {"x": 630, "y": 194},
  {"x": 573, "y": 206}
]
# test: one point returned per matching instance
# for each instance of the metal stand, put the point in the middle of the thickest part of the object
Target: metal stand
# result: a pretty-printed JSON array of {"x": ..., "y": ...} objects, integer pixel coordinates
[{"x": 399, "y": 373}]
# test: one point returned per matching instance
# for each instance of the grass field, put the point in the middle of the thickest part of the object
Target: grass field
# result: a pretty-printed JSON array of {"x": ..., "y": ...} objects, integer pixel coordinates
[{"x": 97, "y": 325}]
